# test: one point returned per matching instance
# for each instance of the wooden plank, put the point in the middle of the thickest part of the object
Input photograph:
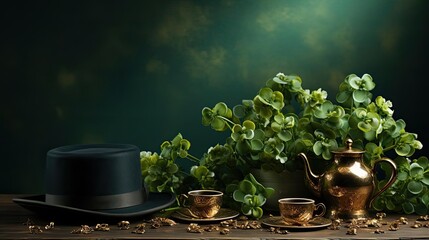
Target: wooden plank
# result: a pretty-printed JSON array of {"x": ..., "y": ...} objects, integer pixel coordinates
[{"x": 12, "y": 217}]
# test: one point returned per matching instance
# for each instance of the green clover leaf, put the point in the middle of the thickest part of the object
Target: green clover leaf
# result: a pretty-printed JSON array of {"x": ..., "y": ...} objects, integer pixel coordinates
[
  {"x": 415, "y": 187},
  {"x": 251, "y": 194},
  {"x": 217, "y": 117},
  {"x": 268, "y": 100},
  {"x": 293, "y": 82}
]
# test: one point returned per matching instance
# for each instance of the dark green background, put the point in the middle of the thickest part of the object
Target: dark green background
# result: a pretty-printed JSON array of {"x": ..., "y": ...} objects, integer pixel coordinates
[{"x": 140, "y": 72}]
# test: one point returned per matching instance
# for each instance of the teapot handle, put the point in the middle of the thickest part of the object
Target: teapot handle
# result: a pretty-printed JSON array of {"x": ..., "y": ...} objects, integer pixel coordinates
[{"x": 391, "y": 179}]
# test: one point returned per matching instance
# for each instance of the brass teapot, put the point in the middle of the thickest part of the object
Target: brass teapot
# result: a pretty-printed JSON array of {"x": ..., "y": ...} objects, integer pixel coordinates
[{"x": 347, "y": 186}]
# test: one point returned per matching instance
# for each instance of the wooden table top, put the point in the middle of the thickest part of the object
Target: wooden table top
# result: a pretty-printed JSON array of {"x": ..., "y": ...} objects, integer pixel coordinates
[{"x": 14, "y": 225}]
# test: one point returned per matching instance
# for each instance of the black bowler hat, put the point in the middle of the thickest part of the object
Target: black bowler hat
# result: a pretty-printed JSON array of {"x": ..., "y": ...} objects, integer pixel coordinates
[{"x": 95, "y": 180}]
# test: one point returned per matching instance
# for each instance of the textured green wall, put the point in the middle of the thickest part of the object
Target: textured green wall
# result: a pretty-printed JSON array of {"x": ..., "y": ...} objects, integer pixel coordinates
[{"x": 139, "y": 72}]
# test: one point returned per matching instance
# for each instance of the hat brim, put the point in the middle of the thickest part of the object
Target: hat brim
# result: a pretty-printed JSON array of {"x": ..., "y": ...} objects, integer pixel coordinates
[{"x": 154, "y": 203}]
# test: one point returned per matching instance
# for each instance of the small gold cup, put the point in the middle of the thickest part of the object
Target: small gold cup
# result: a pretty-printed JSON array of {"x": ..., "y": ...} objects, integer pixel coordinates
[
  {"x": 201, "y": 203},
  {"x": 299, "y": 211}
]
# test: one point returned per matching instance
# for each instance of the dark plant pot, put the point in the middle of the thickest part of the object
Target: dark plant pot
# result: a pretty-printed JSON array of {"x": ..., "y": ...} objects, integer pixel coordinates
[{"x": 286, "y": 184}]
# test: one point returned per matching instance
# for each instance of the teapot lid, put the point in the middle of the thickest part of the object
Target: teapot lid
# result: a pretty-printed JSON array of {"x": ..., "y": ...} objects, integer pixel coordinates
[{"x": 348, "y": 149}]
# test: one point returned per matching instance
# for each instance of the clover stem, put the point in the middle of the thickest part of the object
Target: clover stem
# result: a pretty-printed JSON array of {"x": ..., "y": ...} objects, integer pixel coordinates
[
  {"x": 192, "y": 158},
  {"x": 227, "y": 121},
  {"x": 170, "y": 209},
  {"x": 389, "y": 148}
]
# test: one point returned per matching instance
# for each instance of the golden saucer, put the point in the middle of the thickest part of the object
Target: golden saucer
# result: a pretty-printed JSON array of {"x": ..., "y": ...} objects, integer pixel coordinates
[
  {"x": 223, "y": 214},
  {"x": 315, "y": 223}
]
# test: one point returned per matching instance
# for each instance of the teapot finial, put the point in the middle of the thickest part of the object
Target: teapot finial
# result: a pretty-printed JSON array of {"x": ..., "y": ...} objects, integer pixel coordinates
[{"x": 349, "y": 143}]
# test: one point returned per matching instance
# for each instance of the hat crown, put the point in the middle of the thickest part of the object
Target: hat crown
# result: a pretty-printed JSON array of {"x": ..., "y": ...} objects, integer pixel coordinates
[{"x": 77, "y": 175}]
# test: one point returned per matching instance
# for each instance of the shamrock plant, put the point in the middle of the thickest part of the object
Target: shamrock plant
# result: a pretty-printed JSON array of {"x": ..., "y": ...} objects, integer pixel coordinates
[
  {"x": 268, "y": 101},
  {"x": 409, "y": 194},
  {"x": 251, "y": 194},
  {"x": 284, "y": 119},
  {"x": 372, "y": 123},
  {"x": 161, "y": 173},
  {"x": 204, "y": 176},
  {"x": 355, "y": 90},
  {"x": 217, "y": 117}
]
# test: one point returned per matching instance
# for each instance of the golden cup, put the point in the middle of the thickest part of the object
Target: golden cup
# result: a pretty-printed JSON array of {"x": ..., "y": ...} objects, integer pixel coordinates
[
  {"x": 201, "y": 203},
  {"x": 299, "y": 211}
]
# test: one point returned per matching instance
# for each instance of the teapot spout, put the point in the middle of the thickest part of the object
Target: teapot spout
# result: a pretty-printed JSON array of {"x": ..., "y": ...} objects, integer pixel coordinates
[{"x": 313, "y": 180}]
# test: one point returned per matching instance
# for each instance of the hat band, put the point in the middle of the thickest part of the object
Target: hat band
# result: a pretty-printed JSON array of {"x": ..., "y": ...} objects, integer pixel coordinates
[{"x": 122, "y": 200}]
